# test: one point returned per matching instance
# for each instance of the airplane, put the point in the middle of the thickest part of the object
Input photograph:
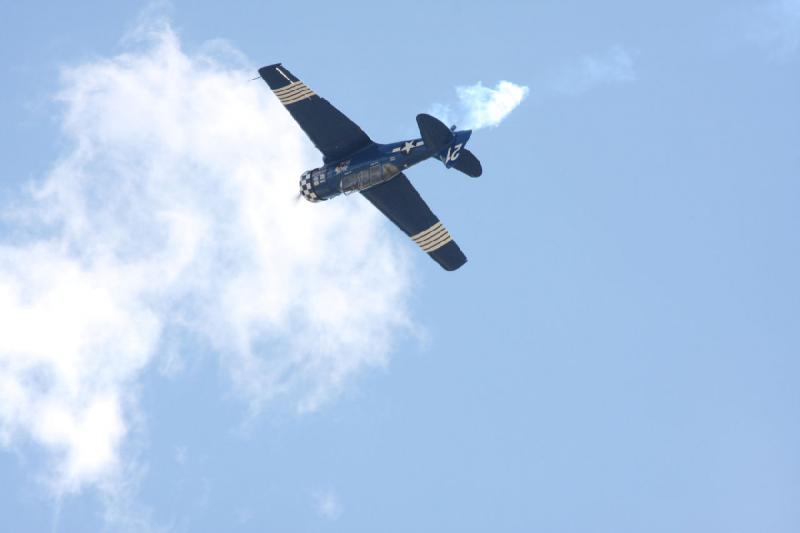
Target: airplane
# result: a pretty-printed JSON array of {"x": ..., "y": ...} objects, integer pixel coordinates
[{"x": 352, "y": 162}]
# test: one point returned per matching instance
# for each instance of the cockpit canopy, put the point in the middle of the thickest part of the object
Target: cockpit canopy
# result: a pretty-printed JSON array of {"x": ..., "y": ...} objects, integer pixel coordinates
[{"x": 368, "y": 177}]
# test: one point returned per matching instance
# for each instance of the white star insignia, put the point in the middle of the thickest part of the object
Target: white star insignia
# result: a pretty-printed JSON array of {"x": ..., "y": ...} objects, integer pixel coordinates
[{"x": 408, "y": 146}]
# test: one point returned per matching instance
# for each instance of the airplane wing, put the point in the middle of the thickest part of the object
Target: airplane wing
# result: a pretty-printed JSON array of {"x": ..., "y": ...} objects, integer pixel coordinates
[
  {"x": 402, "y": 204},
  {"x": 335, "y": 135}
]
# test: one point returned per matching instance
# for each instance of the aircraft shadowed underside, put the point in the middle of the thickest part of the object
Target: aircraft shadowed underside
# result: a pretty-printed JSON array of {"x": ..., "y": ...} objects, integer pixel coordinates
[{"x": 353, "y": 162}]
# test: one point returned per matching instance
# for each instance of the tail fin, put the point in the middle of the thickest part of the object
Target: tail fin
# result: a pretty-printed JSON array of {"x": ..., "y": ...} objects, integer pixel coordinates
[
  {"x": 448, "y": 145},
  {"x": 434, "y": 133}
]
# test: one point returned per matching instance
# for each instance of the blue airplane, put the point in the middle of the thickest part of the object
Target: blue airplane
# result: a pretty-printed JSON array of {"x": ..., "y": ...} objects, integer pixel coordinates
[{"x": 353, "y": 162}]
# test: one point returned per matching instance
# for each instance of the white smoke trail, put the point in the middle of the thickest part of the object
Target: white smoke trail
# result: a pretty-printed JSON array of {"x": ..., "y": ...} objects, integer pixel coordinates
[{"x": 481, "y": 106}]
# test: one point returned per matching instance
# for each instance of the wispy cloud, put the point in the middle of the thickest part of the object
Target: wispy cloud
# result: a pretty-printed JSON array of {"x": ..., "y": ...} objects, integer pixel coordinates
[
  {"x": 479, "y": 106},
  {"x": 774, "y": 25},
  {"x": 616, "y": 65},
  {"x": 327, "y": 504},
  {"x": 181, "y": 455},
  {"x": 173, "y": 215}
]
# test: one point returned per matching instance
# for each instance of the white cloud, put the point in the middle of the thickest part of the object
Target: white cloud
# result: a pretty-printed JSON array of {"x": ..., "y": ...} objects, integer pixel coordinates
[
  {"x": 775, "y": 25},
  {"x": 173, "y": 214},
  {"x": 481, "y": 106},
  {"x": 614, "y": 66}
]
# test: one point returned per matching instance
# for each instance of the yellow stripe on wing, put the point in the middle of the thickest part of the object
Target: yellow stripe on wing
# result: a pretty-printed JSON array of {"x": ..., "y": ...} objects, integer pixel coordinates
[
  {"x": 432, "y": 238},
  {"x": 294, "y": 92}
]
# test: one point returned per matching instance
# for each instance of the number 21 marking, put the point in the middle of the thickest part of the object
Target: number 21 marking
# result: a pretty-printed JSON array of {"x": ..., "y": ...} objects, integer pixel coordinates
[{"x": 453, "y": 153}]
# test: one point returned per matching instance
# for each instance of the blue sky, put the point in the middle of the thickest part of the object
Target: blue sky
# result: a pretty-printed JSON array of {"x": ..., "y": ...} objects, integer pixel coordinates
[{"x": 183, "y": 347}]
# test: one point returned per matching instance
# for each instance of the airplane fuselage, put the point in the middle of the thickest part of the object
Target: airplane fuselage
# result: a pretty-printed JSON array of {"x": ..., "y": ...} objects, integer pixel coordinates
[{"x": 371, "y": 166}]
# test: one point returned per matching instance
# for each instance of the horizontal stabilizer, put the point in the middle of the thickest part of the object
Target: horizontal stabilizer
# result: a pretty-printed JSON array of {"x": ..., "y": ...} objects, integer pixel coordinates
[
  {"x": 434, "y": 133},
  {"x": 467, "y": 163}
]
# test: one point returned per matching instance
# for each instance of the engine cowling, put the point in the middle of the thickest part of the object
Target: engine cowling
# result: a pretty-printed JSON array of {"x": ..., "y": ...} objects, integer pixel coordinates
[
  {"x": 320, "y": 184},
  {"x": 307, "y": 187}
]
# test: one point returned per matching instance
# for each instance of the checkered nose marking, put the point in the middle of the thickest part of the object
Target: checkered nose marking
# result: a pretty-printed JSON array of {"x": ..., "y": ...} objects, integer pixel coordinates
[{"x": 307, "y": 190}]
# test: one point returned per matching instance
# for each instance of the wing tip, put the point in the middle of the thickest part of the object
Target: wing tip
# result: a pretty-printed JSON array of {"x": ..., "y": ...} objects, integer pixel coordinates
[
  {"x": 450, "y": 257},
  {"x": 452, "y": 268},
  {"x": 267, "y": 69},
  {"x": 276, "y": 75}
]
